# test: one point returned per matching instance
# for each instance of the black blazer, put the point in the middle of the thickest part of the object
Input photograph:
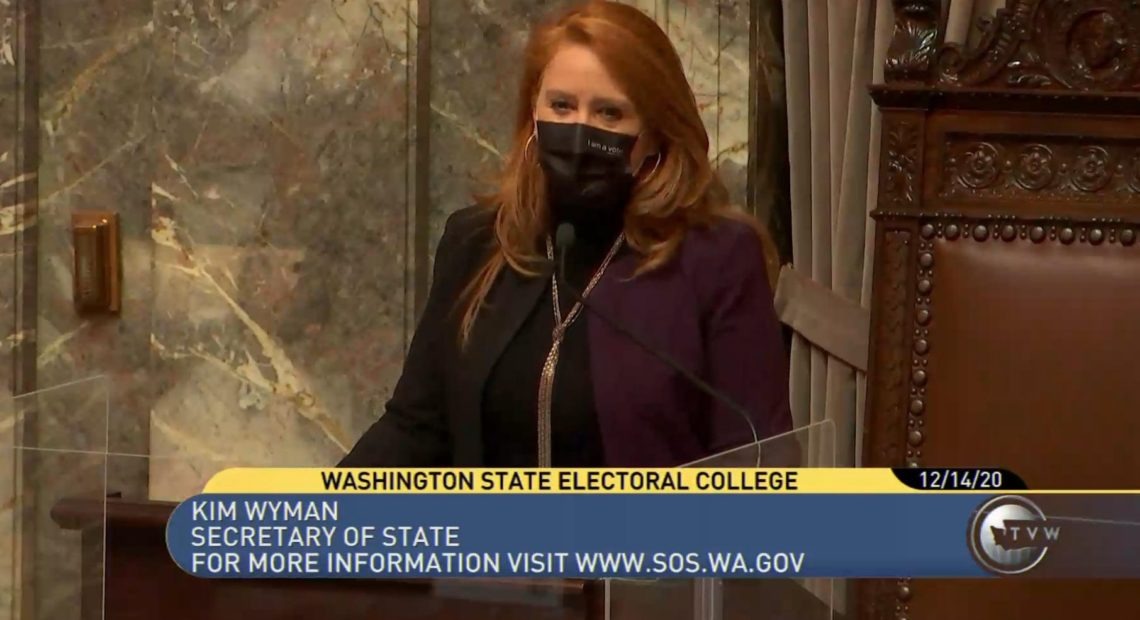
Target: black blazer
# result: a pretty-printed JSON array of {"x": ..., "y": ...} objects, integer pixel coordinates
[{"x": 415, "y": 430}]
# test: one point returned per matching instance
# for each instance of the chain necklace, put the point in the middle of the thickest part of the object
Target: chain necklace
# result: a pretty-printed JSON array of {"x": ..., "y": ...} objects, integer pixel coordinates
[{"x": 546, "y": 383}]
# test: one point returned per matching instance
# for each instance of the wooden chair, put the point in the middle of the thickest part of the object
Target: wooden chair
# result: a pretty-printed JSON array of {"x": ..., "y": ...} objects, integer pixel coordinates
[{"x": 1006, "y": 300}]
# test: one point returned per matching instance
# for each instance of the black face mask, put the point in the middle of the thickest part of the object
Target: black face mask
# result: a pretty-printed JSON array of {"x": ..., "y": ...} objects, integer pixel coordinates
[{"x": 589, "y": 180}]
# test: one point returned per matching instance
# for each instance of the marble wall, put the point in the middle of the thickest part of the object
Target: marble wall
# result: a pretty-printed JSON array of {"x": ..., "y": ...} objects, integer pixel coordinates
[
  {"x": 13, "y": 185},
  {"x": 278, "y": 217},
  {"x": 261, "y": 155}
]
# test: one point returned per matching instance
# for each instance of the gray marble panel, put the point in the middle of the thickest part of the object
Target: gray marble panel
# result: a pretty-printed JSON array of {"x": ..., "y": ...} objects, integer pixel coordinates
[
  {"x": 279, "y": 221},
  {"x": 92, "y": 129},
  {"x": 95, "y": 153},
  {"x": 12, "y": 180},
  {"x": 476, "y": 66},
  {"x": 9, "y": 102}
]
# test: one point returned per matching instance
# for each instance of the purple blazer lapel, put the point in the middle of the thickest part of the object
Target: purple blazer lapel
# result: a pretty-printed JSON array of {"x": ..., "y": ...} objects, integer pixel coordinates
[
  {"x": 711, "y": 310},
  {"x": 644, "y": 407}
]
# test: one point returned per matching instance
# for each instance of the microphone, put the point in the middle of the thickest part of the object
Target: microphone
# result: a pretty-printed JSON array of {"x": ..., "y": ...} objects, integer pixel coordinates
[{"x": 564, "y": 238}]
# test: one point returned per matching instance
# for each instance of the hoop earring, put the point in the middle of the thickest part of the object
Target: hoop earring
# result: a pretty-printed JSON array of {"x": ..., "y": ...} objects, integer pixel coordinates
[
  {"x": 655, "y": 164},
  {"x": 526, "y": 147}
]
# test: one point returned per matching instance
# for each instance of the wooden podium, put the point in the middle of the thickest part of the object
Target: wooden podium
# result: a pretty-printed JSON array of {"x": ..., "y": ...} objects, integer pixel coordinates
[{"x": 141, "y": 582}]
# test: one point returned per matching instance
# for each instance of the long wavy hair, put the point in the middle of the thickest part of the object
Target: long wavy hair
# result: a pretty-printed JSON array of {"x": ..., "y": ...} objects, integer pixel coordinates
[{"x": 679, "y": 192}]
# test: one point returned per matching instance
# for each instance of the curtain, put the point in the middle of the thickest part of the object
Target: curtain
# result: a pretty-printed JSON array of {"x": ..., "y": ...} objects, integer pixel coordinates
[{"x": 834, "y": 50}]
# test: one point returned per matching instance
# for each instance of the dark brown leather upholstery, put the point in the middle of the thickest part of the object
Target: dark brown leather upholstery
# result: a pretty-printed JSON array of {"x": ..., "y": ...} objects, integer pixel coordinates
[
  {"x": 1006, "y": 300},
  {"x": 1032, "y": 354}
]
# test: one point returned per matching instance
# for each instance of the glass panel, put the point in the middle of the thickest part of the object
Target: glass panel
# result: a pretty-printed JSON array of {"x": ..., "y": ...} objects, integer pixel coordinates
[
  {"x": 53, "y": 472},
  {"x": 505, "y": 599},
  {"x": 66, "y": 534},
  {"x": 176, "y": 475},
  {"x": 738, "y": 599}
]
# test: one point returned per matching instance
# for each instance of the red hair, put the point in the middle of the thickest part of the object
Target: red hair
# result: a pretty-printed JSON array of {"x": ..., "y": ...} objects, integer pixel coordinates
[{"x": 681, "y": 192}]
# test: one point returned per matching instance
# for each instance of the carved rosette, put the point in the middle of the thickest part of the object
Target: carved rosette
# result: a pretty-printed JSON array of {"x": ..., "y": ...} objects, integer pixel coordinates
[
  {"x": 1019, "y": 168},
  {"x": 1092, "y": 169},
  {"x": 1035, "y": 169},
  {"x": 1090, "y": 45},
  {"x": 979, "y": 166}
]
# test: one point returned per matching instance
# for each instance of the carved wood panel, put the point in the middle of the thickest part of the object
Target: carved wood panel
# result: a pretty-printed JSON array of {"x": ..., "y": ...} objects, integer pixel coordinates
[
  {"x": 1031, "y": 137},
  {"x": 1088, "y": 45},
  {"x": 901, "y": 169},
  {"x": 1028, "y": 167},
  {"x": 888, "y": 383},
  {"x": 915, "y": 41}
]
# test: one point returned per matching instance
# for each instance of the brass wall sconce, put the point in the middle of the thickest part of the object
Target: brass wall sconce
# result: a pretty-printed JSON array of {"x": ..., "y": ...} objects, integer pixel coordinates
[{"x": 98, "y": 273}]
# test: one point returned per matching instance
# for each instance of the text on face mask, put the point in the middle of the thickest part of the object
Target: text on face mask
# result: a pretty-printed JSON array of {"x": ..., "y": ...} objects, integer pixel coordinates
[{"x": 608, "y": 150}]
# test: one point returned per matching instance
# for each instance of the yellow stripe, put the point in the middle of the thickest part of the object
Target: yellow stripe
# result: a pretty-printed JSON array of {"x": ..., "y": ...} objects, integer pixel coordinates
[{"x": 672, "y": 480}]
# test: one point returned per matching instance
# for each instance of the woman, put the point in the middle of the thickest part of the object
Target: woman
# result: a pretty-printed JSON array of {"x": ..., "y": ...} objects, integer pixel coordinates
[{"x": 506, "y": 369}]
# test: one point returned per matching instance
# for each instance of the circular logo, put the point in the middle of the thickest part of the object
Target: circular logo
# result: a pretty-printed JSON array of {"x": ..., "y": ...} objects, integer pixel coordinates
[{"x": 1008, "y": 535}]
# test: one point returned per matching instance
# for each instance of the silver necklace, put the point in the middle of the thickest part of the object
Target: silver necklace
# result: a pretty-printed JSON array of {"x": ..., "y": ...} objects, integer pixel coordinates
[{"x": 546, "y": 382}]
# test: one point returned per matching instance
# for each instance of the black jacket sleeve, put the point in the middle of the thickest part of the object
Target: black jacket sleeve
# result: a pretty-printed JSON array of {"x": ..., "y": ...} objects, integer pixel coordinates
[{"x": 413, "y": 431}]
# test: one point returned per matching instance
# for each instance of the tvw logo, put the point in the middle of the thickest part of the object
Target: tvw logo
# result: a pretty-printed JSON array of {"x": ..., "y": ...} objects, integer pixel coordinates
[{"x": 1009, "y": 535}]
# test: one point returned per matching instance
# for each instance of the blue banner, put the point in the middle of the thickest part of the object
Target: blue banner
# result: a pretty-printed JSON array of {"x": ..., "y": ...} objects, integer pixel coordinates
[
  {"x": 656, "y": 535},
  {"x": 561, "y": 535}
]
